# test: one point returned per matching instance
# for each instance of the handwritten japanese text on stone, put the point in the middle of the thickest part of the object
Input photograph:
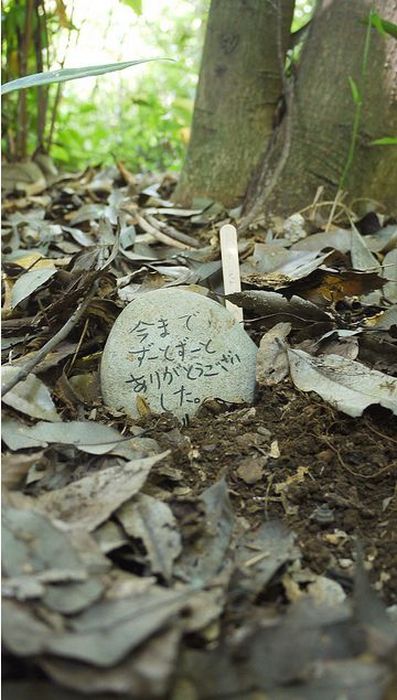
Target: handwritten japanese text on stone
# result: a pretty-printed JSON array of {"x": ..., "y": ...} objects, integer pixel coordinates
[{"x": 182, "y": 364}]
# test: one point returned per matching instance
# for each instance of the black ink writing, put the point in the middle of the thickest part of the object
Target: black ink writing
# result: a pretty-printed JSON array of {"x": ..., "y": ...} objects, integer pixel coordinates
[{"x": 175, "y": 369}]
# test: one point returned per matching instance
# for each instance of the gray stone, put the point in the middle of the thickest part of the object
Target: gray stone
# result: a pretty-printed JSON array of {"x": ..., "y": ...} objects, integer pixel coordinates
[{"x": 170, "y": 349}]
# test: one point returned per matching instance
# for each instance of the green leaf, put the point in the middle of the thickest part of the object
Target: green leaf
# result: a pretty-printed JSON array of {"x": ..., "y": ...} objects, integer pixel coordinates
[
  {"x": 386, "y": 141},
  {"x": 355, "y": 91},
  {"x": 376, "y": 21},
  {"x": 382, "y": 25},
  {"x": 60, "y": 76},
  {"x": 135, "y": 5},
  {"x": 59, "y": 153}
]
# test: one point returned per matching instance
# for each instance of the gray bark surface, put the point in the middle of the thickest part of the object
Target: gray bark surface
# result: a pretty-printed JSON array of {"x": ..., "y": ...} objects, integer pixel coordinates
[
  {"x": 239, "y": 86},
  {"x": 311, "y": 145}
]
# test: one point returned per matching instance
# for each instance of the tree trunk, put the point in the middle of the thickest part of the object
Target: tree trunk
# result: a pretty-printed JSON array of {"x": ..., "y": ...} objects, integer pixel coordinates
[
  {"x": 311, "y": 147},
  {"x": 325, "y": 136},
  {"x": 241, "y": 80}
]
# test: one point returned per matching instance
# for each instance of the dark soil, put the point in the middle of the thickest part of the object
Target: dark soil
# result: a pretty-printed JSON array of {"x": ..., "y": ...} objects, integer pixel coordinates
[{"x": 333, "y": 482}]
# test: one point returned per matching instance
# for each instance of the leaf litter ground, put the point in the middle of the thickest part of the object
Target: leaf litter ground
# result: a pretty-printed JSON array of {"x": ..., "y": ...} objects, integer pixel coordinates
[{"x": 250, "y": 554}]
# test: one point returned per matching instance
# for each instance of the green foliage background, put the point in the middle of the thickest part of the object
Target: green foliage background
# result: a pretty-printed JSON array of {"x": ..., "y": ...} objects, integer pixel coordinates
[
  {"x": 144, "y": 126},
  {"x": 147, "y": 125}
]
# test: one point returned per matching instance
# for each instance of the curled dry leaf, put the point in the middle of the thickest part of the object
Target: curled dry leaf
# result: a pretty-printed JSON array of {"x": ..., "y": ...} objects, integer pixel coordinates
[
  {"x": 15, "y": 435},
  {"x": 390, "y": 273},
  {"x": 339, "y": 239},
  {"x": 299, "y": 264},
  {"x": 272, "y": 364},
  {"x": 87, "y": 436},
  {"x": 348, "y": 385},
  {"x": 110, "y": 536},
  {"x": 251, "y": 469},
  {"x": 30, "y": 396},
  {"x": 207, "y": 557},
  {"x": 325, "y": 591},
  {"x": 362, "y": 258},
  {"x": 48, "y": 564},
  {"x": 87, "y": 503},
  {"x": 101, "y": 635},
  {"x": 26, "y": 177},
  {"x": 46, "y": 544},
  {"x": 385, "y": 320},
  {"x": 144, "y": 673},
  {"x": 152, "y": 521},
  {"x": 28, "y": 283},
  {"x": 260, "y": 553},
  {"x": 14, "y": 468},
  {"x": 345, "y": 347},
  {"x": 276, "y": 308}
]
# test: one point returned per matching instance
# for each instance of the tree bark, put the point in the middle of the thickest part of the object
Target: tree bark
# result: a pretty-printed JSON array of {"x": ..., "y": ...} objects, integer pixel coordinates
[
  {"x": 311, "y": 146},
  {"x": 241, "y": 80}
]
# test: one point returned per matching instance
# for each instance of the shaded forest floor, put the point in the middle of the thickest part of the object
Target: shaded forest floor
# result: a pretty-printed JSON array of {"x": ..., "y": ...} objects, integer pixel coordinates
[{"x": 257, "y": 558}]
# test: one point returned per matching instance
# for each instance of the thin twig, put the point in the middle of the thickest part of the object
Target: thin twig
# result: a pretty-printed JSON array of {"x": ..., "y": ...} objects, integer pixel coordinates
[
  {"x": 338, "y": 198},
  {"x": 348, "y": 211},
  {"x": 162, "y": 237},
  {"x": 63, "y": 332},
  {"x": 173, "y": 232},
  {"x": 315, "y": 202},
  {"x": 79, "y": 344}
]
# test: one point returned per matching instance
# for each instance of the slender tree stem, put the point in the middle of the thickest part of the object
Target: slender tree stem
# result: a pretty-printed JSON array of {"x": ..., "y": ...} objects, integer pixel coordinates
[
  {"x": 22, "y": 103},
  {"x": 58, "y": 92},
  {"x": 42, "y": 92}
]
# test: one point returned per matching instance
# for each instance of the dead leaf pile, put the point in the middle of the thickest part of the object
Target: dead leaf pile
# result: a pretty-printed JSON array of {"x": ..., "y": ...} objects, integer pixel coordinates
[{"x": 119, "y": 577}]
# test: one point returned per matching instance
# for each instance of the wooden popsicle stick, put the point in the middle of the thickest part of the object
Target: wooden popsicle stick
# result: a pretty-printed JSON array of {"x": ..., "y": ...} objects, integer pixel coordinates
[{"x": 231, "y": 267}]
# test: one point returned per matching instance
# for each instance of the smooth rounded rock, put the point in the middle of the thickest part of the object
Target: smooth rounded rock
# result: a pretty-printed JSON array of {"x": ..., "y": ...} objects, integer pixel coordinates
[{"x": 171, "y": 349}]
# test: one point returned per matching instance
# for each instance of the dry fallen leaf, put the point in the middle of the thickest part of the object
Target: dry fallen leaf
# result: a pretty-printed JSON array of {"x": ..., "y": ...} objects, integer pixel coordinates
[
  {"x": 30, "y": 396},
  {"x": 88, "y": 502},
  {"x": 152, "y": 521},
  {"x": 250, "y": 469},
  {"x": 348, "y": 385},
  {"x": 29, "y": 282},
  {"x": 272, "y": 360}
]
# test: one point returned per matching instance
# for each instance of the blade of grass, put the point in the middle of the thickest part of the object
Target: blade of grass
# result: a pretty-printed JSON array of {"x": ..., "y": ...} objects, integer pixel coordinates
[
  {"x": 358, "y": 101},
  {"x": 383, "y": 25},
  {"x": 62, "y": 75},
  {"x": 385, "y": 141}
]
